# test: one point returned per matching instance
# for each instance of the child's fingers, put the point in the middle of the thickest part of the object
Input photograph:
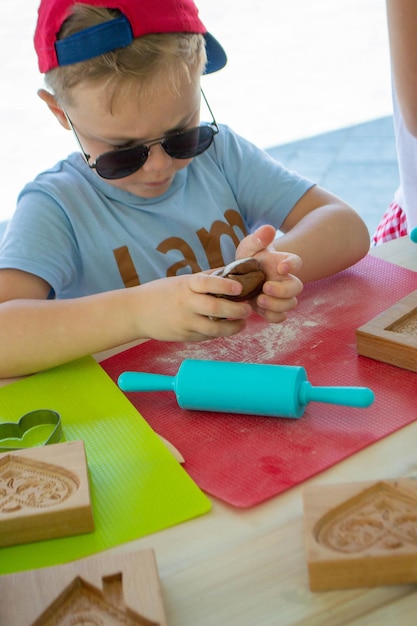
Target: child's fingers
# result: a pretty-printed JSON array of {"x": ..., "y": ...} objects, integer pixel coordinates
[
  {"x": 215, "y": 285},
  {"x": 284, "y": 287},
  {"x": 214, "y": 308},
  {"x": 291, "y": 264},
  {"x": 276, "y": 305}
]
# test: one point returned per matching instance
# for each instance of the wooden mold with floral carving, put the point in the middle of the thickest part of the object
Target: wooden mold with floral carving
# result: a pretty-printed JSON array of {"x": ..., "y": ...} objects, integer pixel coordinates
[
  {"x": 44, "y": 493},
  {"x": 361, "y": 534}
]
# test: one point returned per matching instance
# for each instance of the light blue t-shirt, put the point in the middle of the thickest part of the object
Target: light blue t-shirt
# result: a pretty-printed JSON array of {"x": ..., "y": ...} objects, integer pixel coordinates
[{"x": 82, "y": 235}]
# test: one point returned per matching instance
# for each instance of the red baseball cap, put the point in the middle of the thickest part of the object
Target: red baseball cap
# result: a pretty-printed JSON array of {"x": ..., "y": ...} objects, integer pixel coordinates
[{"x": 139, "y": 17}]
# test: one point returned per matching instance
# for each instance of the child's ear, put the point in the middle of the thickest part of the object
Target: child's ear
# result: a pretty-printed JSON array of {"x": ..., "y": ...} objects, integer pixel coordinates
[{"x": 54, "y": 107}]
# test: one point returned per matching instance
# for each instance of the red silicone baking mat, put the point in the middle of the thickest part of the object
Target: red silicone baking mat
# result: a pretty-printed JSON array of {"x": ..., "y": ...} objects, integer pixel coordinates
[{"x": 244, "y": 459}]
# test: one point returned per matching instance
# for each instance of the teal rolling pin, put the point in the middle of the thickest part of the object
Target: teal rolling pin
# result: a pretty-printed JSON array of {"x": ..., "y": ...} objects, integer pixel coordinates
[{"x": 251, "y": 388}]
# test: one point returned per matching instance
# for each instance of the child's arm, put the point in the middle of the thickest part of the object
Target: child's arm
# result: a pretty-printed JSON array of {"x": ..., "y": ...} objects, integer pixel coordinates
[
  {"x": 327, "y": 235},
  {"x": 37, "y": 333}
]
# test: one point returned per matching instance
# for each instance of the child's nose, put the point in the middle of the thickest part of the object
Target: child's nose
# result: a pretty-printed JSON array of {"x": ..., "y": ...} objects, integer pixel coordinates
[{"x": 157, "y": 159}]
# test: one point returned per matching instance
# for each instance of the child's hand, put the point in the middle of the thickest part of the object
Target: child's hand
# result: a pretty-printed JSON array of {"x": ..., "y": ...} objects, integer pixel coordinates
[
  {"x": 281, "y": 288},
  {"x": 185, "y": 308}
]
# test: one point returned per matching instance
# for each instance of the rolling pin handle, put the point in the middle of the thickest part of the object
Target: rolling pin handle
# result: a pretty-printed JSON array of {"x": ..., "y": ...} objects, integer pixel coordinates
[
  {"x": 359, "y": 397},
  {"x": 142, "y": 381}
]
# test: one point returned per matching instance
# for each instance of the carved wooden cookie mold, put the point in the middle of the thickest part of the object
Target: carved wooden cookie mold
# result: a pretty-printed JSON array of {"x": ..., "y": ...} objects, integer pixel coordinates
[
  {"x": 26, "y": 484},
  {"x": 44, "y": 493},
  {"x": 391, "y": 336},
  {"x": 361, "y": 534},
  {"x": 83, "y": 603},
  {"x": 105, "y": 589}
]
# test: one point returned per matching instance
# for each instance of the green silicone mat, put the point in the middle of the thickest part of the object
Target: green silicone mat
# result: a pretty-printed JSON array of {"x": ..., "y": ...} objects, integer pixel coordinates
[{"x": 137, "y": 486}]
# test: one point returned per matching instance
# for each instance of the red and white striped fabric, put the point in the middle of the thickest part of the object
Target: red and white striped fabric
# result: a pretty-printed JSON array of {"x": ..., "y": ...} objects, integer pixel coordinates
[{"x": 392, "y": 225}]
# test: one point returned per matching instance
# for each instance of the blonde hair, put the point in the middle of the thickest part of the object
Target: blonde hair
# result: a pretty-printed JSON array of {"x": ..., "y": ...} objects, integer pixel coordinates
[{"x": 142, "y": 65}]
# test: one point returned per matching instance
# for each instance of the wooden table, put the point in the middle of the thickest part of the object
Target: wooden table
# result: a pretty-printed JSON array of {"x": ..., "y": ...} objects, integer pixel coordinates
[
  {"x": 241, "y": 568},
  {"x": 248, "y": 568}
]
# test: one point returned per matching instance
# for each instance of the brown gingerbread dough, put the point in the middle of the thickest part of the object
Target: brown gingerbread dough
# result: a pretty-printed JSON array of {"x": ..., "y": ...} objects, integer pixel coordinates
[{"x": 248, "y": 273}]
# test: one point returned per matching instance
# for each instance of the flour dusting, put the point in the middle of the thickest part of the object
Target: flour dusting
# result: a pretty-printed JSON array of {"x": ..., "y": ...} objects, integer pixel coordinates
[{"x": 260, "y": 342}]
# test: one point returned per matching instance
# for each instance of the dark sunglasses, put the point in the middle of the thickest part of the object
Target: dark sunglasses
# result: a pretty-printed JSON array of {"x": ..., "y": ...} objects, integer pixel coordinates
[{"x": 185, "y": 144}]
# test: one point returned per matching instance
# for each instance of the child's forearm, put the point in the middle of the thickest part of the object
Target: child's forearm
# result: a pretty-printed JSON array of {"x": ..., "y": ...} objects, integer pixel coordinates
[
  {"x": 39, "y": 334},
  {"x": 328, "y": 239}
]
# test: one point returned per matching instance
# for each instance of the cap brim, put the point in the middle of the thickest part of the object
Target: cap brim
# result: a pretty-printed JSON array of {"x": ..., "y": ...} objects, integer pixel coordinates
[{"x": 216, "y": 56}]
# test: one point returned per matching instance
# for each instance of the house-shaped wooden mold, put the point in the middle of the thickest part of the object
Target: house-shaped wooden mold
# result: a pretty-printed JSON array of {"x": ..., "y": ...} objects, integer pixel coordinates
[
  {"x": 86, "y": 604},
  {"x": 122, "y": 588}
]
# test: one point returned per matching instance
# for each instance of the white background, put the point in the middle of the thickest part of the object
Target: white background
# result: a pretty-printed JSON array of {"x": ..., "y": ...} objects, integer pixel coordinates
[{"x": 296, "y": 69}]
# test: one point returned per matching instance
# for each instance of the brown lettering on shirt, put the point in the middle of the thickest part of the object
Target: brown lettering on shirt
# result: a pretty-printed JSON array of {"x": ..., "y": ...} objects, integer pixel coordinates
[
  {"x": 189, "y": 260},
  {"x": 127, "y": 270},
  {"x": 211, "y": 240}
]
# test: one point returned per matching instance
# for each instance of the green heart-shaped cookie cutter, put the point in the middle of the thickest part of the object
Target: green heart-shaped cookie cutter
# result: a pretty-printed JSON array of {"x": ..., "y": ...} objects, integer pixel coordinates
[{"x": 40, "y": 417}]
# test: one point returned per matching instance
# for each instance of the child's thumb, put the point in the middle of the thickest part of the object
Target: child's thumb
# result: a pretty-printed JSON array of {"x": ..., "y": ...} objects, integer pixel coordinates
[{"x": 256, "y": 242}]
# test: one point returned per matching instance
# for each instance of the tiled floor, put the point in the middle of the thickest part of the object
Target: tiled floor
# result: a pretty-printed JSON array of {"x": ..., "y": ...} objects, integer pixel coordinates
[{"x": 357, "y": 163}]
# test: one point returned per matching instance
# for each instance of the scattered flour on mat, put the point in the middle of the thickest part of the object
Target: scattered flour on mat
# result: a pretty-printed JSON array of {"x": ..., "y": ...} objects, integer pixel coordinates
[
  {"x": 276, "y": 338},
  {"x": 262, "y": 343},
  {"x": 309, "y": 324}
]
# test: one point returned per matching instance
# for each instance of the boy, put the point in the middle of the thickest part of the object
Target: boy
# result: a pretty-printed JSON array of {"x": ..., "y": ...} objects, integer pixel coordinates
[{"x": 117, "y": 243}]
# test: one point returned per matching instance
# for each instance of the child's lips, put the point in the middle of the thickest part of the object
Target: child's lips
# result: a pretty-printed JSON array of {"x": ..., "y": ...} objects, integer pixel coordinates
[{"x": 158, "y": 183}]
